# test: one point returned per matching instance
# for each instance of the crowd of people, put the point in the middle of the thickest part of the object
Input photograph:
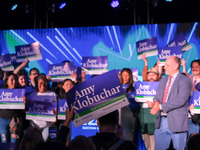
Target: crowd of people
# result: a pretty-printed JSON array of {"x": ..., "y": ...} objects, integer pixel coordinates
[{"x": 165, "y": 123}]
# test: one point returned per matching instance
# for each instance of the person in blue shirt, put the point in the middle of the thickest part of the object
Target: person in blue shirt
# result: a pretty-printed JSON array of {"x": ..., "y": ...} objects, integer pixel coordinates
[{"x": 129, "y": 114}]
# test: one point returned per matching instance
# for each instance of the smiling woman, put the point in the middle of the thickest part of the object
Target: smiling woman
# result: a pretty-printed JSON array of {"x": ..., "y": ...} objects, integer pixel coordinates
[
  {"x": 42, "y": 95},
  {"x": 7, "y": 114}
]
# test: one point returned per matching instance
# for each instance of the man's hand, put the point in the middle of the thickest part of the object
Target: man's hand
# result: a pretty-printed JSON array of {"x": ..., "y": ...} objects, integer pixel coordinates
[
  {"x": 150, "y": 104},
  {"x": 156, "y": 108}
]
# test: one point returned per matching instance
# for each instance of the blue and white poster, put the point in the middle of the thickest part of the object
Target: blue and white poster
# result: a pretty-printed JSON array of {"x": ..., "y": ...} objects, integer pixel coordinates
[
  {"x": 180, "y": 40},
  {"x": 135, "y": 74},
  {"x": 13, "y": 58},
  {"x": 147, "y": 46},
  {"x": 96, "y": 97},
  {"x": 6, "y": 63},
  {"x": 40, "y": 110},
  {"x": 61, "y": 71},
  {"x": 62, "y": 106},
  {"x": 145, "y": 91},
  {"x": 195, "y": 99},
  {"x": 31, "y": 52},
  {"x": 87, "y": 129},
  {"x": 164, "y": 53},
  {"x": 12, "y": 99},
  {"x": 95, "y": 65}
]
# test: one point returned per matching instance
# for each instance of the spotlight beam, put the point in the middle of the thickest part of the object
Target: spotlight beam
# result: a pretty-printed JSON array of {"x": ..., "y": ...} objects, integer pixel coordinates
[{"x": 57, "y": 47}]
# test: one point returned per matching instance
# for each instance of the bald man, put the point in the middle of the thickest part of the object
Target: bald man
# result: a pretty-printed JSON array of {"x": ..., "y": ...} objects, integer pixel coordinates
[{"x": 171, "y": 107}]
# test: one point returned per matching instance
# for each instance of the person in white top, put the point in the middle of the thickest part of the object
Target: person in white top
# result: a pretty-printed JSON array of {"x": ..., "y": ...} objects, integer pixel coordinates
[{"x": 42, "y": 94}]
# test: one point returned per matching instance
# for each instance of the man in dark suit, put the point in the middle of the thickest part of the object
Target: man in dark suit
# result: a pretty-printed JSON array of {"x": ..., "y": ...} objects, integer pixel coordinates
[{"x": 171, "y": 107}]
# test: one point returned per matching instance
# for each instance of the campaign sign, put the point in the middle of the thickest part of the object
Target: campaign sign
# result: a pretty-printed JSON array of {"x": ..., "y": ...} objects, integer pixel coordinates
[
  {"x": 6, "y": 63},
  {"x": 62, "y": 106},
  {"x": 135, "y": 74},
  {"x": 180, "y": 40},
  {"x": 95, "y": 65},
  {"x": 96, "y": 97},
  {"x": 164, "y": 53},
  {"x": 147, "y": 46},
  {"x": 13, "y": 58},
  {"x": 40, "y": 110},
  {"x": 145, "y": 91},
  {"x": 60, "y": 72},
  {"x": 87, "y": 129},
  {"x": 31, "y": 52},
  {"x": 195, "y": 99},
  {"x": 12, "y": 99}
]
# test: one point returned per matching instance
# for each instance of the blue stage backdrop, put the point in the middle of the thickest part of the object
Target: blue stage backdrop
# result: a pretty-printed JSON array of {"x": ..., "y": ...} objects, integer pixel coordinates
[{"x": 116, "y": 42}]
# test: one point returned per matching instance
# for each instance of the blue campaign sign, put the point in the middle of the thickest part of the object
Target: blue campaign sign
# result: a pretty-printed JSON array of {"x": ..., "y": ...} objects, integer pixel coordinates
[
  {"x": 145, "y": 91},
  {"x": 180, "y": 40},
  {"x": 195, "y": 99},
  {"x": 164, "y": 53},
  {"x": 6, "y": 63},
  {"x": 95, "y": 65},
  {"x": 61, "y": 71},
  {"x": 13, "y": 58},
  {"x": 88, "y": 129},
  {"x": 95, "y": 97},
  {"x": 147, "y": 46},
  {"x": 30, "y": 51},
  {"x": 12, "y": 98},
  {"x": 40, "y": 110},
  {"x": 62, "y": 106}
]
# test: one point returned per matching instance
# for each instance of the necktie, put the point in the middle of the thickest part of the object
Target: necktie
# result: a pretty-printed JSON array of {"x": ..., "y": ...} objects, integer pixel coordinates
[{"x": 166, "y": 91}]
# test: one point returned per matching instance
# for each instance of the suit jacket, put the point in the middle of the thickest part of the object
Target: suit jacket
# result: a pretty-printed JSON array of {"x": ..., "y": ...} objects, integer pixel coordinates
[{"x": 176, "y": 106}]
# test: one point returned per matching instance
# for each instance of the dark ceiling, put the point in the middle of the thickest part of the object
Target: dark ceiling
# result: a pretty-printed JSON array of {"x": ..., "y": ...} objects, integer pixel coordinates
[{"x": 46, "y": 13}]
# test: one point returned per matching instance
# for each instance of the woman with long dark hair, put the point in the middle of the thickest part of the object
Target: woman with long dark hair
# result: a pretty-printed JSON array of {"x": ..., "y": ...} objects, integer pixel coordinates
[
  {"x": 66, "y": 85},
  {"x": 6, "y": 115},
  {"x": 129, "y": 113}
]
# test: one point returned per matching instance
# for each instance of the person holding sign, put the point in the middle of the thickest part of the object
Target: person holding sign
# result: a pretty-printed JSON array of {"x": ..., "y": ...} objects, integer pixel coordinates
[
  {"x": 195, "y": 79},
  {"x": 66, "y": 85},
  {"x": 171, "y": 107},
  {"x": 10, "y": 115},
  {"x": 156, "y": 65},
  {"x": 129, "y": 114},
  {"x": 147, "y": 120},
  {"x": 42, "y": 95}
]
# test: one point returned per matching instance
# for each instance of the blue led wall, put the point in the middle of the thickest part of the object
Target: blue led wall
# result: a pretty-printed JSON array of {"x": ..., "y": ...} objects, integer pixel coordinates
[{"x": 117, "y": 42}]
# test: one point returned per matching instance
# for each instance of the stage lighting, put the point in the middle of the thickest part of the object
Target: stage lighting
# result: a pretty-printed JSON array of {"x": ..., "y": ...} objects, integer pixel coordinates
[
  {"x": 62, "y": 5},
  {"x": 14, "y": 7},
  {"x": 168, "y": 0},
  {"x": 114, "y": 3}
]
